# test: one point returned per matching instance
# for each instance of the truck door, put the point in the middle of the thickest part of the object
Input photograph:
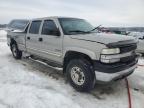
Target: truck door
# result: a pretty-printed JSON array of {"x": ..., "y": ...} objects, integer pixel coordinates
[
  {"x": 32, "y": 37},
  {"x": 51, "y": 45}
]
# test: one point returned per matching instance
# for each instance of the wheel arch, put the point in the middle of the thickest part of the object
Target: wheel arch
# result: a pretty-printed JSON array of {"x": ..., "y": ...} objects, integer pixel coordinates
[
  {"x": 69, "y": 55},
  {"x": 12, "y": 41}
]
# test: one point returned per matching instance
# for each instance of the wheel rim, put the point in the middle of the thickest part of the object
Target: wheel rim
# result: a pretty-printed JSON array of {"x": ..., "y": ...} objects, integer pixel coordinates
[
  {"x": 77, "y": 75},
  {"x": 14, "y": 51}
]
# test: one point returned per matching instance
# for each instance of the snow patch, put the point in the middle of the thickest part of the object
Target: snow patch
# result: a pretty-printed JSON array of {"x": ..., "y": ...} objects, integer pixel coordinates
[
  {"x": 23, "y": 96},
  {"x": 3, "y": 33},
  {"x": 141, "y": 61}
]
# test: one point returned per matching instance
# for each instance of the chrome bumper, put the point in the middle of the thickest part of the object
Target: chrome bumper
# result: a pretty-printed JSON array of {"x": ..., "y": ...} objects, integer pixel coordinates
[{"x": 108, "y": 77}]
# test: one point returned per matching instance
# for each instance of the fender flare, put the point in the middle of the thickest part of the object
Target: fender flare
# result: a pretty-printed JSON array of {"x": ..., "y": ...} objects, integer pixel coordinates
[{"x": 89, "y": 53}]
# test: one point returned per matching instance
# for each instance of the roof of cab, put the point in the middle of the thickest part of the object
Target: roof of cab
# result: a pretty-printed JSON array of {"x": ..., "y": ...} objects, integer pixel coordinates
[{"x": 53, "y": 17}]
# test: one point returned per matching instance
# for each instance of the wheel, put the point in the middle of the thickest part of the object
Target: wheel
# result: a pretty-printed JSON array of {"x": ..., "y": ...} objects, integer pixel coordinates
[
  {"x": 15, "y": 51},
  {"x": 80, "y": 74}
]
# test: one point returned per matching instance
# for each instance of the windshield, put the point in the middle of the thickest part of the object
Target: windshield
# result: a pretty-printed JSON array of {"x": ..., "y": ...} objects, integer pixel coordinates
[{"x": 73, "y": 26}]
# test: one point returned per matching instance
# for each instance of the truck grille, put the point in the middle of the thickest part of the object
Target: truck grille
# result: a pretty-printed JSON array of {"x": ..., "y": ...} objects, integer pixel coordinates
[
  {"x": 128, "y": 48},
  {"x": 128, "y": 59}
]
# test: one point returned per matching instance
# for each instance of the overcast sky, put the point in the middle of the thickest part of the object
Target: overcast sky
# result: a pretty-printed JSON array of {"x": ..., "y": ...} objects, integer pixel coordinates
[{"x": 105, "y": 12}]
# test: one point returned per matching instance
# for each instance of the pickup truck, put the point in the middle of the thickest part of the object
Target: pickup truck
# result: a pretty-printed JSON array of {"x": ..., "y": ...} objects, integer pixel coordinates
[{"x": 86, "y": 55}]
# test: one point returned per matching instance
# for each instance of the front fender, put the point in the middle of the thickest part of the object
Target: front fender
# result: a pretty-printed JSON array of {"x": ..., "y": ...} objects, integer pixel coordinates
[{"x": 91, "y": 54}]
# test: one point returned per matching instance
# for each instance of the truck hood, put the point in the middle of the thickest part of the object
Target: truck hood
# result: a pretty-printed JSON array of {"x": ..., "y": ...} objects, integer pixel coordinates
[
  {"x": 102, "y": 38},
  {"x": 17, "y": 31}
]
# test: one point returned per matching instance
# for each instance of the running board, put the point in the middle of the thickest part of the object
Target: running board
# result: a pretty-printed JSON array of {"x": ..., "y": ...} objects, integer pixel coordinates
[{"x": 46, "y": 64}]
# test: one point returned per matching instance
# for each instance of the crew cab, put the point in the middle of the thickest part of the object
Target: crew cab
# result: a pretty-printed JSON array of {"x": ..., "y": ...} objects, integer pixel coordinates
[{"x": 86, "y": 55}]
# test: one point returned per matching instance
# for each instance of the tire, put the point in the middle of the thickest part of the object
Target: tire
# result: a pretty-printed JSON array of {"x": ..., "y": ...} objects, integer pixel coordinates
[
  {"x": 17, "y": 54},
  {"x": 86, "y": 75}
]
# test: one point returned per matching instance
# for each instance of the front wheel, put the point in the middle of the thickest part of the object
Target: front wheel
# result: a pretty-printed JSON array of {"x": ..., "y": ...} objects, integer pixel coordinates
[
  {"x": 80, "y": 74},
  {"x": 15, "y": 51}
]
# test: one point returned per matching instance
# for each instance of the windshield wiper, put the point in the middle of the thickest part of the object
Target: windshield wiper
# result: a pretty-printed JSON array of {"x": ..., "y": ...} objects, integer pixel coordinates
[
  {"x": 98, "y": 27},
  {"x": 79, "y": 31}
]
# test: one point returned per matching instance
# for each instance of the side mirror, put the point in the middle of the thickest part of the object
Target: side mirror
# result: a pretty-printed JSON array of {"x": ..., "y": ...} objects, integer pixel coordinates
[
  {"x": 54, "y": 32},
  {"x": 58, "y": 33}
]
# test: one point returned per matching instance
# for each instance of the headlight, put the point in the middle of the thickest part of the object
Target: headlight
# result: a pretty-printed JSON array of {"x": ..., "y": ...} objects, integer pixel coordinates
[
  {"x": 110, "y": 51},
  {"x": 106, "y": 53}
]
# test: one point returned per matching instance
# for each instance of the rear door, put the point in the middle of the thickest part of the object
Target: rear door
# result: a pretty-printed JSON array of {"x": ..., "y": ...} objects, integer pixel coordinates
[
  {"x": 32, "y": 37},
  {"x": 51, "y": 45}
]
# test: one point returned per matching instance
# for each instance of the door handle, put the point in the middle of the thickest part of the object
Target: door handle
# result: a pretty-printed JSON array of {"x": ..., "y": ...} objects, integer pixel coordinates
[
  {"x": 40, "y": 39},
  {"x": 28, "y": 38}
]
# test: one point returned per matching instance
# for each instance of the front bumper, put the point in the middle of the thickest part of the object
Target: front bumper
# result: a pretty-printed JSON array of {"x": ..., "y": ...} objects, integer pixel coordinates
[
  {"x": 114, "y": 72},
  {"x": 108, "y": 77}
]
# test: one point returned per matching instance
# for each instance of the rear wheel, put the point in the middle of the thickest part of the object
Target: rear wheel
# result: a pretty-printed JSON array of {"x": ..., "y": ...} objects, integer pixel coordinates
[
  {"x": 80, "y": 74},
  {"x": 17, "y": 54}
]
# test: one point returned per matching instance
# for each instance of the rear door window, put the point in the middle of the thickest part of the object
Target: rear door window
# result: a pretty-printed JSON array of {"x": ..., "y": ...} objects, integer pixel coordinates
[{"x": 35, "y": 26}]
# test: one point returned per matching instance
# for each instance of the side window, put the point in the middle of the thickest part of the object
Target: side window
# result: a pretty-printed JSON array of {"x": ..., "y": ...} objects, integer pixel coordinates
[
  {"x": 49, "y": 28},
  {"x": 35, "y": 26}
]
